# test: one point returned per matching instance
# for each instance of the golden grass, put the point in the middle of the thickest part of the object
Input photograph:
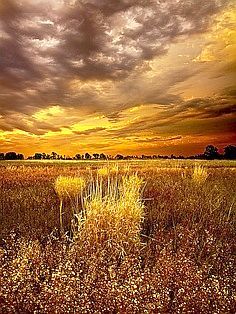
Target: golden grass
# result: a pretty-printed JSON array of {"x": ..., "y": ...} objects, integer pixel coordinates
[
  {"x": 69, "y": 186},
  {"x": 109, "y": 212},
  {"x": 72, "y": 188},
  {"x": 103, "y": 171},
  {"x": 109, "y": 169},
  {"x": 185, "y": 218},
  {"x": 112, "y": 214},
  {"x": 199, "y": 175}
]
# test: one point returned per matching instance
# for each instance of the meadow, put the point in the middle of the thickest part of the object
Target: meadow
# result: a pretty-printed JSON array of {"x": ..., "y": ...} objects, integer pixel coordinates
[{"x": 142, "y": 236}]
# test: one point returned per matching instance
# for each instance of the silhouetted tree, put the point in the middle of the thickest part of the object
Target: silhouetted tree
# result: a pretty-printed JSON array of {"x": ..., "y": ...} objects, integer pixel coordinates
[
  {"x": 54, "y": 155},
  {"x": 230, "y": 152},
  {"x": 96, "y": 156},
  {"x": 38, "y": 156},
  {"x": 2, "y": 156},
  {"x": 78, "y": 156},
  {"x": 211, "y": 152},
  {"x": 20, "y": 156},
  {"x": 11, "y": 156},
  {"x": 87, "y": 156},
  {"x": 119, "y": 157},
  {"x": 102, "y": 156}
]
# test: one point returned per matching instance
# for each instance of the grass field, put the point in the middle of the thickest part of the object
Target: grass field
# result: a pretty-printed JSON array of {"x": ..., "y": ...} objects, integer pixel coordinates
[{"x": 117, "y": 237}]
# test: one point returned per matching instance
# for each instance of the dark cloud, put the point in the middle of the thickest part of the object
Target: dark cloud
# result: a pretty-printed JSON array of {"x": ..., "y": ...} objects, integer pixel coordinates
[
  {"x": 229, "y": 91},
  {"x": 205, "y": 109},
  {"x": 108, "y": 39},
  {"x": 158, "y": 139},
  {"x": 45, "y": 44},
  {"x": 26, "y": 124},
  {"x": 89, "y": 131},
  {"x": 105, "y": 48},
  {"x": 212, "y": 107}
]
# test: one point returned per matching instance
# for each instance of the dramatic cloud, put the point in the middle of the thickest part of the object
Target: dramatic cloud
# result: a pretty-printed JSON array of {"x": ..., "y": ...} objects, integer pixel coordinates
[{"x": 65, "y": 62}]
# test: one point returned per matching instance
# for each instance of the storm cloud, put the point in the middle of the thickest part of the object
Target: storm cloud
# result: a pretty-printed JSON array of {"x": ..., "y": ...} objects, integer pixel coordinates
[
  {"x": 104, "y": 58},
  {"x": 44, "y": 44}
]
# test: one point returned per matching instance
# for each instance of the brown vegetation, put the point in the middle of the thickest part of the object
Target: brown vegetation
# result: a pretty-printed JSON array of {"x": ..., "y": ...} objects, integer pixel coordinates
[{"x": 140, "y": 237}]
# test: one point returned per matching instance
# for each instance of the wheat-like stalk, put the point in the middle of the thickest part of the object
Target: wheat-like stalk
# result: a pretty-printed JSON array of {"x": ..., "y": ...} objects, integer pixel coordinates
[
  {"x": 199, "y": 175},
  {"x": 113, "y": 213},
  {"x": 69, "y": 187}
]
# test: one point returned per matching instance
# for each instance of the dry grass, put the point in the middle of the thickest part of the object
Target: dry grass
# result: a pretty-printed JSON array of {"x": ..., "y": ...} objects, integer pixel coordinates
[
  {"x": 106, "y": 214},
  {"x": 113, "y": 214},
  {"x": 109, "y": 169},
  {"x": 72, "y": 188},
  {"x": 153, "y": 237},
  {"x": 199, "y": 175},
  {"x": 69, "y": 186}
]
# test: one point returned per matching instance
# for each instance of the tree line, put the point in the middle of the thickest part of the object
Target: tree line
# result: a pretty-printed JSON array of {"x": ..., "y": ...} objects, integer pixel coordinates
[{"x": 211, "y": 152}]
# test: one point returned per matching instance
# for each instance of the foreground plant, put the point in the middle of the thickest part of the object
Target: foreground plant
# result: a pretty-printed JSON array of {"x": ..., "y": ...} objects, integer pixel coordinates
[
  {"x": 108, "y": 170},
  {"x": 187, "y": 264},
  {"x": 199, "y": 175},
  {"x": 69, "y": 188},
  {"x": 113, "y": 214}
]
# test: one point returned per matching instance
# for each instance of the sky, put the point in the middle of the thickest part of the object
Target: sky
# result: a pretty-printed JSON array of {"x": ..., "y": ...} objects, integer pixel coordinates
[{"x": 117, "y": 76}]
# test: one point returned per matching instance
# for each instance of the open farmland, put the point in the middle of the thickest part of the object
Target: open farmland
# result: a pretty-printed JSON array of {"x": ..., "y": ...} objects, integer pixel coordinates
[{"x": 117, "y": 237}]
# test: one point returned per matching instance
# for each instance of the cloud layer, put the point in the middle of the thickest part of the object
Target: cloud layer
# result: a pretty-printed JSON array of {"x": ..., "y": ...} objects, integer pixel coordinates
[{"x": 100, "y": 57}]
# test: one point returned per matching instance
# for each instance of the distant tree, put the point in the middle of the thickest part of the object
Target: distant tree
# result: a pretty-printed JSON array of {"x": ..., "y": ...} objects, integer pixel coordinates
[
  {"x": 102, "y": 156},
  {"x": 54, "y": 155},
  {"x": 96, "y": 156},
  {"x": 78, "y": 156},
  {"x": 230, "y": 152},
  {"x": 11, "y": 156},
  {"x": 119, "y": 157},
  {"x": 20, "y": 156},
  {"x": 211, "y": 152},
  {"x": 198, "y": 156},
  {"x": 87, "y": 156},
  {"x": 2, "y": 156},
  {"x": 38, "y": 156}
]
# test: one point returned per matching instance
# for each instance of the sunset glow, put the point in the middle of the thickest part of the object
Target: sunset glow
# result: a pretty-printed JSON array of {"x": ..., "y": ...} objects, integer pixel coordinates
[{"x": 108, "y": 76}]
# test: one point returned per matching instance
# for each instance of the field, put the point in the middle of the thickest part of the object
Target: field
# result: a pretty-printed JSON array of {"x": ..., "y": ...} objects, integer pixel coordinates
[{"x": 117, "y": 237}]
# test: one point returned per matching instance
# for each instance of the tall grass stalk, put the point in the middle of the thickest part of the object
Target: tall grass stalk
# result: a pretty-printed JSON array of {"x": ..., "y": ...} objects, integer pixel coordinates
[
  {"x": 113, "y": 214},
  {"x": 199, "y": 175},
  {"x": 69, "y": 188}
]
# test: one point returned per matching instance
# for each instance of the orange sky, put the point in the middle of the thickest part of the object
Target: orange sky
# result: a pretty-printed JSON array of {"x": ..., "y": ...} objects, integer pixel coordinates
[{"x": 117, "y": 76}]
